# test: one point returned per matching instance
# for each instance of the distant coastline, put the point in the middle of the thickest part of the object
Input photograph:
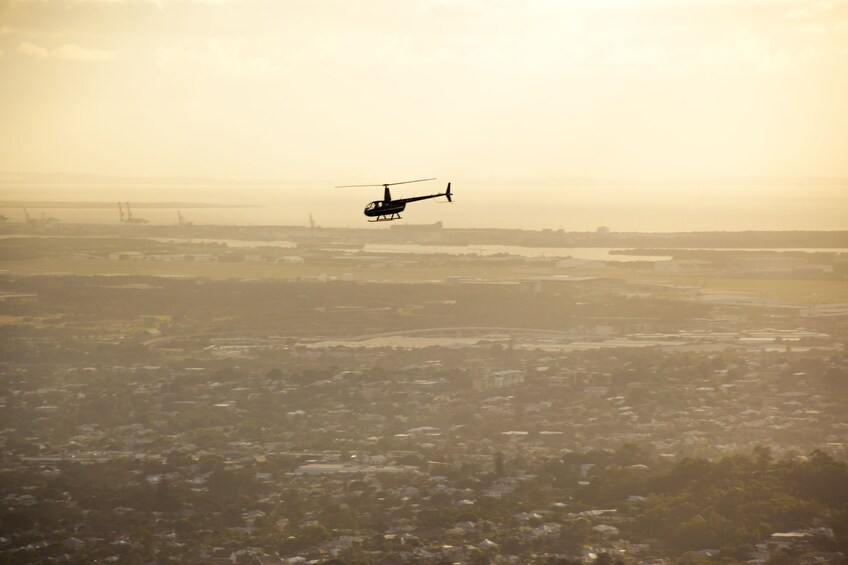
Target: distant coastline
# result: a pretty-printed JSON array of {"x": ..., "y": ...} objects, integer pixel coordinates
[
  {"x": 68, "y": 204},
  {"x": 568, "y": 204}
]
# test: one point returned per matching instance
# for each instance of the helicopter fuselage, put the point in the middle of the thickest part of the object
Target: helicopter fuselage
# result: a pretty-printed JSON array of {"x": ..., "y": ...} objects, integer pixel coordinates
[
  {"x": 380, "y": 208},
  {"x": 388, "y": 208}
]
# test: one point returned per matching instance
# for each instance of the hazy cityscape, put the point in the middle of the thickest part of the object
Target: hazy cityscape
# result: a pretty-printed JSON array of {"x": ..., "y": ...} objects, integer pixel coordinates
[{"x": 418, "y": 394}]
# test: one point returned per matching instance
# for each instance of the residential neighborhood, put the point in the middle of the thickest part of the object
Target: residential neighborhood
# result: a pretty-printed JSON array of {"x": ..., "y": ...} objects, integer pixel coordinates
[{"x": 483, "y": 418}]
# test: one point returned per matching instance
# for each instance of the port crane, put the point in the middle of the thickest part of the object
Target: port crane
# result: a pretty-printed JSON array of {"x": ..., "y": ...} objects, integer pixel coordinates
[{"x": 127, "y": 217}]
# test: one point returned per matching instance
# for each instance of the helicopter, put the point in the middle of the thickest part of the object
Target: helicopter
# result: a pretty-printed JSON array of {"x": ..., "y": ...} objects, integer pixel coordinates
[{"x": 387, "y": 209}]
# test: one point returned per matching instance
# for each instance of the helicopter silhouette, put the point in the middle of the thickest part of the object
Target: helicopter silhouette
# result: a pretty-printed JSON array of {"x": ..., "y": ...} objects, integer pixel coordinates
[{"x": 387, "y": 209}]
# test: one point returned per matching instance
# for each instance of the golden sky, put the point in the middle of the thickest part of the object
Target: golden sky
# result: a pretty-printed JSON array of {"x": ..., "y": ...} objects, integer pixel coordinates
[{"x": 368, "y": 91}]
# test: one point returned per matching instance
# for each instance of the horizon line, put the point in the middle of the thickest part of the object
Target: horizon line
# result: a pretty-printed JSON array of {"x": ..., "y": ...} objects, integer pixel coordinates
[{"x": 8, "y": 177}]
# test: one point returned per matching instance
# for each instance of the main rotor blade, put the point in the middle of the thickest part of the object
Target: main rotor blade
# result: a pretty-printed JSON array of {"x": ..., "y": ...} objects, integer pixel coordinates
[
  {"x": 384, "y": 184},
  {"x": 406, "y": 182}
]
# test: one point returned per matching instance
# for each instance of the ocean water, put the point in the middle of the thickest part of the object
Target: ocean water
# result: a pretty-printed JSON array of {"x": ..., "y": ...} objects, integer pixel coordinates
[{"x": 569, "y": 206}]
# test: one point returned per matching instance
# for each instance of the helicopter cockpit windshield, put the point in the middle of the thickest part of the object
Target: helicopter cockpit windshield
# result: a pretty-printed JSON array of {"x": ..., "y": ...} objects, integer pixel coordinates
[{"x": 373, "y": 205}]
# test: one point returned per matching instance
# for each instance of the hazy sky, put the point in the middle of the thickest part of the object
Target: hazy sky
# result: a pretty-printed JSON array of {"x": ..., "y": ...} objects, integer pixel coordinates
[{"x": 361, "y": 91}]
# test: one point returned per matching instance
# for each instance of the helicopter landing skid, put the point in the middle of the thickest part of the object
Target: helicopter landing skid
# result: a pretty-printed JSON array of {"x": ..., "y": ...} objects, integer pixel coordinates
[{"x": 386, "y": 218}]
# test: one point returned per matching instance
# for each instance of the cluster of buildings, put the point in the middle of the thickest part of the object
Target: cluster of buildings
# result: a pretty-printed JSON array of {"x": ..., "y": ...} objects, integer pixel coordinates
[{"x": 426, "y": 456}]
